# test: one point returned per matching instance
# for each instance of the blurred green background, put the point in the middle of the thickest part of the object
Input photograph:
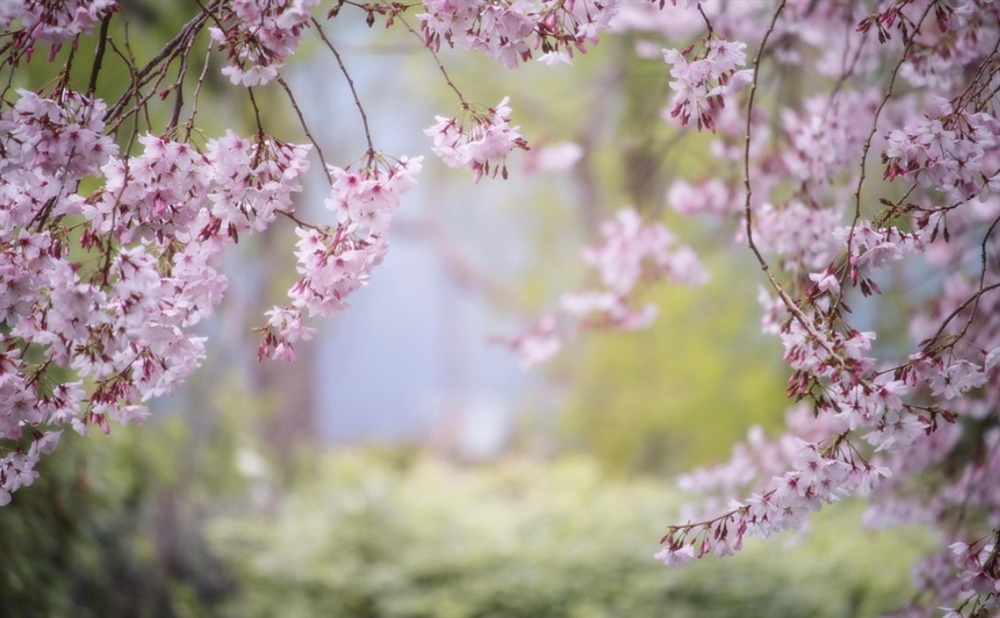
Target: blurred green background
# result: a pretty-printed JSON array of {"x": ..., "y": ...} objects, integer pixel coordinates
[{"x": 119, "y": 527}]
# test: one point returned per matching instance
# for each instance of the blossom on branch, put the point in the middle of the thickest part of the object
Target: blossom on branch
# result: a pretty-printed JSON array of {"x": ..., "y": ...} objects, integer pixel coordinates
[
  {"x": 884, "y": 293},
  {"x": 334, "y": 261},
  {"x": 510, "y": 32},
  {"x": 703, "y": 85},
  {"x": 480, "y": 144},
  {"x": 258, "y": 35},
  {"x": 629, "y": 256},
  {"x": 954, "y": 152},
  {"x": 51, "y": 22},
  {"x": 116, "y": 314}
]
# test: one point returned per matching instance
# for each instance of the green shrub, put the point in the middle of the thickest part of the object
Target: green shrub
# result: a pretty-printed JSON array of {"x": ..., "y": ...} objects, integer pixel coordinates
[
  {"x": 367, "y": 538},
  {"x": 109, "y": 529}
]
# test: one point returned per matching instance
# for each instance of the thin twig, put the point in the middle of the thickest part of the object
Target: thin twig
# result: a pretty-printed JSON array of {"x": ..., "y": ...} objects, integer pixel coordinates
[
  {"x": 256, "y": 112},
  {"x": 305, "y": 127},
  {"x": 793, "y": 307},
  {"x": 102, "y": 39},
  {"x": 350, "y": 84},
  {"x": 871, "y": 134},
  {"x": 167, "y": 53},
  {"x": 746, "y": 144},
  {"x": 440, "y": 66},
  {"x": 982, "y": 275},
  {"x": 868, "y": 143},
  {"x": 178, "y": 86},
  {"x": 189, "y": 125},
  {"x": 972, "y": 299}
]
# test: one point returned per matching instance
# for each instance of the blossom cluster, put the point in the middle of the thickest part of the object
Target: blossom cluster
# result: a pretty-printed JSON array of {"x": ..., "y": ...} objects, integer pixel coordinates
[
  {"x": 92, "y": 335},
  {"x": 978, "y": 564},
  {"x": 702, "y": 85},
  {"x": 481, "y": 144},
  {"x": 112, "y": 233},
  {"x": 818, "y": 475},
  {"x": 630, "y": 255},
  {"x": 48, "y": 146},
  {"x": 258, "y": 35},
  {"x": 800, "y": 236},
  {"x": 336, "y": 260},
  {"x": 45, "y": 21},
  {"x": 963, "y": 35},
  {"x": 826, "y": 141},
  {"x": 872, "y": 418},
  {"x": 953, "y": 151},
  {"x": 112, "y": 239},
  {"x": 510, "y": 32}
]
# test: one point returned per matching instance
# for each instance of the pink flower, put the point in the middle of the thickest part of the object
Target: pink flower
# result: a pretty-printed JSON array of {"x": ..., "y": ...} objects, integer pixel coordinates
[
  {"x": 258, "y": 35},
  {"x": 702, "y": 85},
  {"x": 675, "y": 557},
  {"x": 336, "y": 261},
  {"x": 486, "y": 142},
  {"x": 508, "y": 32},
  {"x": 55, "y": 22},
  {"x": 629, "y": 252},
  {"x": 826, "y": 282},
  {"x": 956, "y": 379}
]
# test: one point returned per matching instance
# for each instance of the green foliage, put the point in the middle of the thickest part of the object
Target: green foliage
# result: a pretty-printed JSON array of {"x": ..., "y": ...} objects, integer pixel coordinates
[
  {"x": 367, "y": 537},
  {"x": 109, "y": 529},
  {"x": 132, "y": 527}
]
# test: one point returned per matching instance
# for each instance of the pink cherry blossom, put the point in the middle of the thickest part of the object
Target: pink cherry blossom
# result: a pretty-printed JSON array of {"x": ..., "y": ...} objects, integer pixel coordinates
[
  {"x": 485, "y": 141},
  {"x": 629, "y": 255},
  {"x": 703, "y": 84},
  {"x": 336, "y": 260},
  {"x": 509, "y": 32},
  {"x": 884, "y": 294},
  {"x": 258, "y": 35},
  {"x": 54, "y": 22}
]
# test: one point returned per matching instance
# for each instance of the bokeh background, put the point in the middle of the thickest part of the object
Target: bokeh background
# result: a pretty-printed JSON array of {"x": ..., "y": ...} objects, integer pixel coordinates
[{"x": 406, "y": 465}]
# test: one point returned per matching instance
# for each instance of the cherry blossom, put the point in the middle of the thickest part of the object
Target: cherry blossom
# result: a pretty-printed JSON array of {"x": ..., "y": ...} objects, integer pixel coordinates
[
  {"x": 258, "y": 35},
  {"x": 947, "y": 152},
  {"x": 510, "y": 31},
  {"x": 703, "y": 84},
  {"x": 484, "y": 141},
  {"x": 53, "y": 22},
  {"x": 630, "y": 255},
  {"x": 875, "y": 416},
  {"x": 119, "y": 319},
  {"x": 336, "y": 260},
  {"x": 870, "y": 200}
]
